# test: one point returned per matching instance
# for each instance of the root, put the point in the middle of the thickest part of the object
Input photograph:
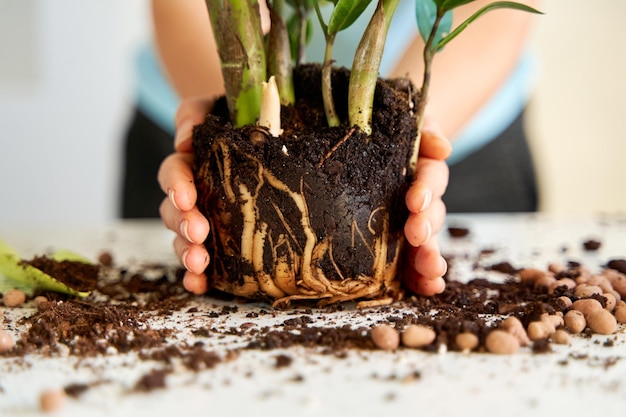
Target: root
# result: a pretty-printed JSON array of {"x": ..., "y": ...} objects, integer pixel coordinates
[
  {"x": 307, "y": 252},
  {"x": 280, "y": 215},
  {"x": 264, "y": 279},
  {"x": 374, "y": 303},
  {"x": 295, "y": 272},
  {"x": 337, "y": 145}
]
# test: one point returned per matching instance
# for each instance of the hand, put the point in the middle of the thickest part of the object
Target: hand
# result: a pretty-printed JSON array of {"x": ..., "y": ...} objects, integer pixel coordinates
[
  {"x": 178, "y": 210},
  {"x": 425, "y": 266}
]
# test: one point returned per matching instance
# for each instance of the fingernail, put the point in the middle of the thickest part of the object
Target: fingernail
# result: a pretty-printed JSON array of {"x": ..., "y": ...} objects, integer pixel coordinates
[
  {"x": 171, "y": 194},
  {"x": 446, "y": 143},
  {"x": 429, "y": 231},
  {"x": 183, "y": 133},
  {"x": 183, "y": 258},
  {"x": 184, "y": 226},
  {"x": 442, "y": 287},
  {"x": 428, "y": 197},
  {"x": 444, "y": 265}
]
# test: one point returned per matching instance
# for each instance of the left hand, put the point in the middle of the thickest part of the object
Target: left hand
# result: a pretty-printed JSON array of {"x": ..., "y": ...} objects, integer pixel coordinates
[{"x": 425, "y": 267}]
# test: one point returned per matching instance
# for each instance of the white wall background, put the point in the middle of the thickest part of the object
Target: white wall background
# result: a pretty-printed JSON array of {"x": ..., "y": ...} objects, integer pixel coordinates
[
  {"x": 66, "y": 87},
  {"x": 577, "y": 117}
]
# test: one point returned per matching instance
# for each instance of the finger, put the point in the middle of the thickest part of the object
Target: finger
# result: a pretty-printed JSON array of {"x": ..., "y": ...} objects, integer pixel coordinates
[
  {"x": 427, "y": 261},
  {"x": 423, "y": 273},
  {"x": 176, "y": 180},
  {"x": 194, "y": 257},
  {"x": 420, "y": 227},
  {"x": 191, "y": 225},
  {"x": 430, "y": 183},
  {"x": 433, "y": 143},
  {"x": 426, "y": 287},
  {"x": 195, "y": 283},
  {"x": 190, "y": 113}
]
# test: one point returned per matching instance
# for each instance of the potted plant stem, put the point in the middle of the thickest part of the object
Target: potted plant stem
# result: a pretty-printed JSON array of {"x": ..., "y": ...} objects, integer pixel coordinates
[{"x": 301, "y": 169}]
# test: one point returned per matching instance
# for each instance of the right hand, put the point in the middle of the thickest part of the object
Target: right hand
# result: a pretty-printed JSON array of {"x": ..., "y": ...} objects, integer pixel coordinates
[
  {"x": 425, "y": 267},
  {"x": 178, "y": 210}
]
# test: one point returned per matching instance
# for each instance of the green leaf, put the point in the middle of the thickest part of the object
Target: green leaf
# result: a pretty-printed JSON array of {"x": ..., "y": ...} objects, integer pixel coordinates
[
  {"x": 345, "y": 13},
  {"x": 67, "y": 255},
  {"x": 482, "y": 11},
  {"x": 17, "y": 274},
  {"x": 426, "y": 13},
  {"x": 452, "y": 4}
]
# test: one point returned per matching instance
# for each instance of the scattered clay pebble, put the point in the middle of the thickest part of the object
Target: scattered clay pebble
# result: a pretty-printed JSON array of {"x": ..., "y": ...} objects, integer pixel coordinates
[
  {"x": 467, "y": 341},
  {"x": 554, "y": 320},
  {"x": 565, "y": 301},
  {"x": 586, "y": 290},
  {"x": 41, "y": 303},
  {"x": 52, "y": 400},
  {"x": 514, "y": 326},
  {"x": 598, "y": 280},
  {"x": 556, "y": 268},
  {"x": 620, "y": 314},
  {"x": 417, "y": 336},
  {"x": 385, "y": 337},
  {"x": 602, "y": 321},
  {"x": 619, "y": 285},
  {"x": 587, "y": 306},
  {"x": 575, "y": 321},
  {"x": 538, "y": 330},
  {"x": 531, "y": 275},
  {"x": 545, "y": 282},
  {"x": 6, "y": 342},
  {"x": 105, "y": 259},
  {"x": 501, "y": 342},
  {"x": 560, "y": 283},
  {"x": 611, "y": 301},
  {"x": 560, "y": 337},
  {"x": 14, "y": 298}
]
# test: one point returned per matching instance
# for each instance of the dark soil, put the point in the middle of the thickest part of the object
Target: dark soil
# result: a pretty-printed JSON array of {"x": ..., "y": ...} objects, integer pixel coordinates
[
  {"x": 344, "y": 176},
  {"x": 114, "y": 320},
  {"x": 79, "y": 276}
]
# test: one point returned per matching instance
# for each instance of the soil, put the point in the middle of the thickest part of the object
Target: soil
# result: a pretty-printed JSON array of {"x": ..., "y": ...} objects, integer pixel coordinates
[
  {"x": 352, "y": 184},
  {"x": 114, "y": 319},
  {"x": 79, "y": 276}
]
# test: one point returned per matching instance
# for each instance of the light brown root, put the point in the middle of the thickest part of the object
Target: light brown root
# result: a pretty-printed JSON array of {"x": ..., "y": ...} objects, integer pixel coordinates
[
  {"x": 337, "y": 145},
  {"x": 374, "y": 303}
]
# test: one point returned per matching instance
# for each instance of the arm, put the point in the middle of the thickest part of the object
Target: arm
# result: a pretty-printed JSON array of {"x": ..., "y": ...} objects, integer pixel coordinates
[
  {"x": 185, "y": 44},
  {"x": 470, "y": 69}
]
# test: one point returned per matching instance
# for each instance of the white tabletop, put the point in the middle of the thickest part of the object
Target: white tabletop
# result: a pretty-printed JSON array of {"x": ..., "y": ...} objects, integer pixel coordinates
[{"x": 583, "y": 377}]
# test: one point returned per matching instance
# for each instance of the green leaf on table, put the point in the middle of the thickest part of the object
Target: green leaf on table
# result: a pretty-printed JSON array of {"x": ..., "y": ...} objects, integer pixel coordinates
[
  {"x": 492, "y": 6},
  {"x": 426, "y": 13},
  {"x": 68, "y": 255},
  {"x": 345, "y": 13},
  {"x": 14, "y": 273}
]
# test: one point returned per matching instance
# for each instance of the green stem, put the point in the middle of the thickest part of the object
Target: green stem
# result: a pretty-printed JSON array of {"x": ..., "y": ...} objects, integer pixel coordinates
[
  {"x": 302, "y": 15},
  {"x": 366, "y": 65},
  {"x": 279, "y": 62},
  {"x": 237, "y": 31},
  {"x": 429, "y": 54},
  {"x": 327, "y": 88}
]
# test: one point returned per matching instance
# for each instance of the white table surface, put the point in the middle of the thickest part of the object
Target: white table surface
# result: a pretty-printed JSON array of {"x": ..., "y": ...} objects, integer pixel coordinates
[{"x": 571, "y": 381}]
